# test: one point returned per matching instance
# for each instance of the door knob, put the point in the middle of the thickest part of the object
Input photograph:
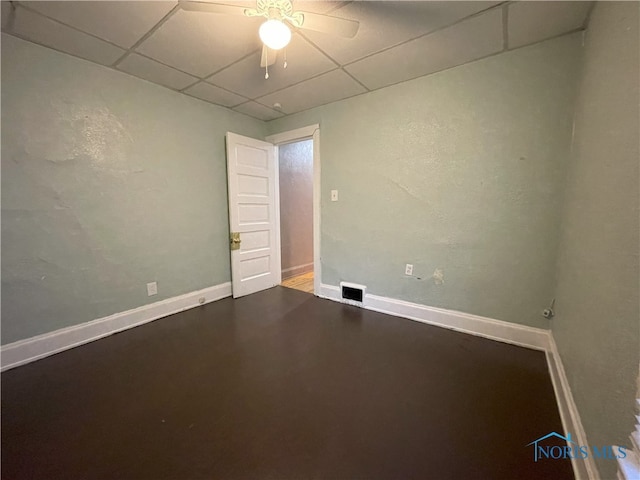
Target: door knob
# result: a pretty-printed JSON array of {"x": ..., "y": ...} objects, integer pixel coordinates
[{"x": 235, "y": 240}]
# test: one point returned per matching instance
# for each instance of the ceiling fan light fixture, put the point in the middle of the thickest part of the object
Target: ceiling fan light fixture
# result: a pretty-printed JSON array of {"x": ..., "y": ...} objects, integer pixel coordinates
[{"x": 275, "y": 34}]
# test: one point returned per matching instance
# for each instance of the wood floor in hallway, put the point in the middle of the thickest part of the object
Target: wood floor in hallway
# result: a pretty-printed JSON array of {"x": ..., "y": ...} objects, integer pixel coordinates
[
  {"x": 281, "y": 385},
  {"x": 303, "y": 282}
]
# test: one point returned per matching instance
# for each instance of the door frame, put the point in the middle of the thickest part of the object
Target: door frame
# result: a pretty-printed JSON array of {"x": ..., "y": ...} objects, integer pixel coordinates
[{"x": 291, "y": 136}]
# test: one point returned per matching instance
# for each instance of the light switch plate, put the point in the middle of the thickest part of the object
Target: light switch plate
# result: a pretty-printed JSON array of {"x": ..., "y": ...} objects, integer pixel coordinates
[{"x": 334, "y": 195}]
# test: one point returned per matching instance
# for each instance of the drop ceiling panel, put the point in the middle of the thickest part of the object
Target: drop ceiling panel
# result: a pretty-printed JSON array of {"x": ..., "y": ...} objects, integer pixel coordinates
[
  {"x": 202, "y": 43},
  {"x": 468, "y": 40},
  {"x": 385, "y": 24},
  {"x": 247, "y": 77},
  {"x": 258, "y": 111},
  {"x": 326, "y": 88},
  {"x": 316, "y": 6},
  {"x": 155, "y": 72},
  {"x": 531, "y": 22},
  {"x": 122, "y": 23},
  {"x": 6, "y": 13},
  {"x": 397, "y": 41},
  {"x": 210, "y": 93},
  {"x": 38, "y": 29}
]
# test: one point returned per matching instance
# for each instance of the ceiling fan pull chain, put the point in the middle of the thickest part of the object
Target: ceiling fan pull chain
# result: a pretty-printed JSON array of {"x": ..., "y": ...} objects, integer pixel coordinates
[
  {"x": 285, "y": 58},
  {"x": 266, "y": 65}
]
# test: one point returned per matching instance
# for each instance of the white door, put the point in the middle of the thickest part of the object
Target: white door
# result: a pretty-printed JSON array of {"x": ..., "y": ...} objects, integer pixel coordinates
[{"x": 253, "y": 215}]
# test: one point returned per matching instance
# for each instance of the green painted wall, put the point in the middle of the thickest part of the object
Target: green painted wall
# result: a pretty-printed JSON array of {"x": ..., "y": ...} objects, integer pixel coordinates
[
  {"x": 459, "y": 171},
  {"x": 108, "y": 182},
  {"x": 597, "y": 327}
]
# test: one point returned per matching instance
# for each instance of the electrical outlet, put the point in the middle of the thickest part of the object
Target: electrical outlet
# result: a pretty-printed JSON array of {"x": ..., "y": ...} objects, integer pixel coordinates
[
  {"x": 438, "y": 276},
  {"x": 152, "y": 288},
  {"x": 408, "y": 270},
  {"x": 334, "y": 195}
]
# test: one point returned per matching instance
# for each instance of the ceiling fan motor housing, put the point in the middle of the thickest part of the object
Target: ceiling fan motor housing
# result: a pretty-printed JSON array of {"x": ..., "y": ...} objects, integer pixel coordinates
[{"x": 277, "y": 10}]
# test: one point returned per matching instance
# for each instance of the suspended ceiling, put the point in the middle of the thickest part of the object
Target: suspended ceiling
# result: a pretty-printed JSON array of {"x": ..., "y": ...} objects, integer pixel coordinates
[{"x": 216, "y": 58}]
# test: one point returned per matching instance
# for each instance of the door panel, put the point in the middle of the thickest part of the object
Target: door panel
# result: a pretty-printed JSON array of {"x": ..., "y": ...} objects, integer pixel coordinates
[{"x": 253, "y": 213}]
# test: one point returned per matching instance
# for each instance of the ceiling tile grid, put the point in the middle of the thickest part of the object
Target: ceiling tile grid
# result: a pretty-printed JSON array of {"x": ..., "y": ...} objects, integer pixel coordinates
[
  {"x": 210, "y": 93},
  {"x": 248, "y": 78},
  {"x": 258, "y": 111},
  {"x": 216, "y": 58},
  {"x": 32, "y": 26},
  {"x": 532, "y": 21},
  {"x": 121, "y": 23},
  {"x": 326, "y": 88},
  {"x": 153, "y": 71},
  {"x": 471, "y": 39},
  {"x": 202, "y": 43},
  {"x": 386, "y": 24}
]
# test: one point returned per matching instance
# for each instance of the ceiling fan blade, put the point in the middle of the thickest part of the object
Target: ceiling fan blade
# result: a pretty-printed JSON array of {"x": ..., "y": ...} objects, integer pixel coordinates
[
  {"x": 268, "y": 57},
  {"x": 212, "y": 7},
  {"x": 328, "y": 24}
]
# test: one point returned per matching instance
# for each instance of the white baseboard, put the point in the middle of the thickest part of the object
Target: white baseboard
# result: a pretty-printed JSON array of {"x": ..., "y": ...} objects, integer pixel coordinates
[
  {"x": 330, "y": 292},
  {"x": 537, "y": 338},
  {"x": 34, "y": 348},
  {"x": 297, "y": 270},
  {"x": 584, "y": 469}
]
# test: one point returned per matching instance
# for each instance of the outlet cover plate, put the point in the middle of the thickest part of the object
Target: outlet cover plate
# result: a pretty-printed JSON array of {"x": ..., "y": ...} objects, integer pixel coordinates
[{"x": 152, "y": 288}]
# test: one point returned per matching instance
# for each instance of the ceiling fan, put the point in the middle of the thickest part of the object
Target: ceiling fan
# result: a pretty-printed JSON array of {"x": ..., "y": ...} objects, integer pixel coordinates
[{"x": 275, "y": 32}]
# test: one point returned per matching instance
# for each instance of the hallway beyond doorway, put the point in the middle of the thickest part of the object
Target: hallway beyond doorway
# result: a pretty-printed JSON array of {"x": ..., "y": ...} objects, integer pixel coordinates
[{"x": 303, "y": 282}]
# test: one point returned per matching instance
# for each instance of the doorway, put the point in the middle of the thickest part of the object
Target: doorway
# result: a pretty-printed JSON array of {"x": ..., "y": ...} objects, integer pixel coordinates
[
  {"x": 295, "y": 165},
  {"x": 298, "y": 159}
]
